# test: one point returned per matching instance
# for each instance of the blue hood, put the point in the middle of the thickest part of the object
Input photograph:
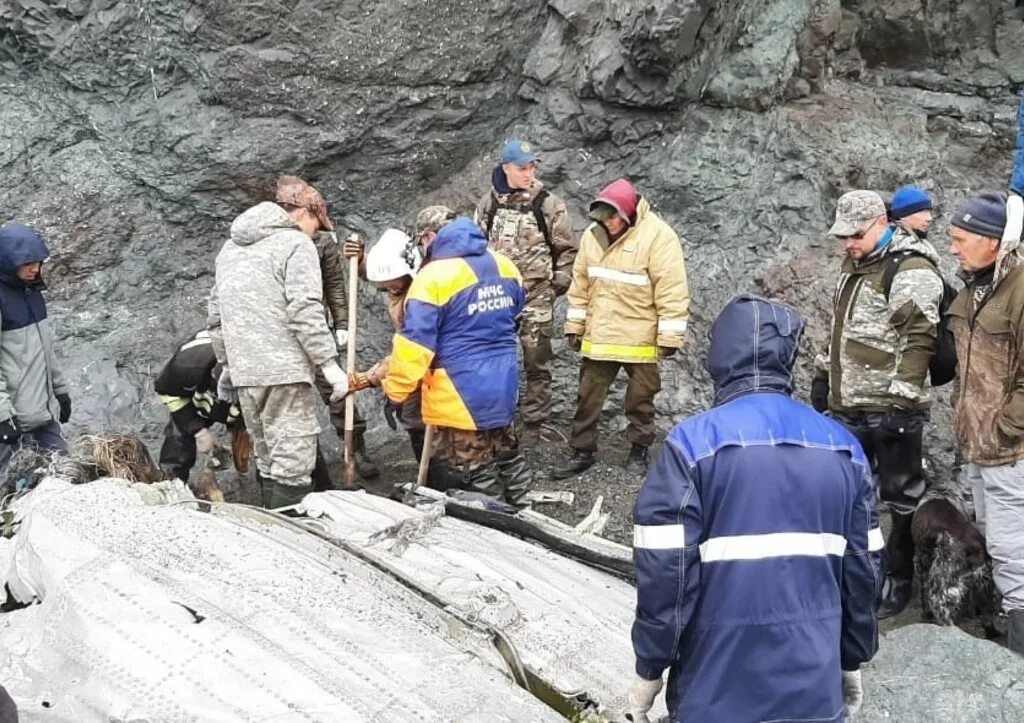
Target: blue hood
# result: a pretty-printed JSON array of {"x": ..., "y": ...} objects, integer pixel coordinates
[
  {"x": 462, "y": 237},
  {"x": 19, "y": 245},
  {"x": 500, "y": 181},
  {"x": 753, "y": 348}
]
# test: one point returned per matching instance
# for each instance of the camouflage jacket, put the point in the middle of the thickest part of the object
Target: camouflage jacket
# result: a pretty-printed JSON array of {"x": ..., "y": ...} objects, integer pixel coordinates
[
  {"x": 988, "y": 395},
  {"x": 880, "y": 348},
  {"x": 513, "y": 232},
  {"x": 266, "y": 313},
  {"x": 332, "y": 271}
]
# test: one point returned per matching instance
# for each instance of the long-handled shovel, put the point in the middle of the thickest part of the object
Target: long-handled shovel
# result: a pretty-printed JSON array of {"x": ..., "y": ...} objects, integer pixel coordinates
[
  {"x": 421, "y": 477},
  {"x": 350, "y": 402}
]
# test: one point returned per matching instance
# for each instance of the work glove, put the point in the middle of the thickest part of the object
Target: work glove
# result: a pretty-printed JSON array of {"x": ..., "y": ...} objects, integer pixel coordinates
[
  {"x": 666, "y": 351},
  {"x": 819, "y": 394},
  {"x": 641, "y": 698},
  {"x": 353, "y": 246},
  {"x": 358, "y": 381},
  {"x": 206, "y": 441},
  {"x": 853, "y": 691},
  {"x": 575, "y": 341},
  {"x": 10, "y": 432},
  {"x": 341, "y": 336},
  {"x": 391, "y": 410},
  {"x": 337, "y": 379},
  {"x": 65, "y": 408},
  {"x": 225, "y": 389},
  {"x": 219, "y": 411}
]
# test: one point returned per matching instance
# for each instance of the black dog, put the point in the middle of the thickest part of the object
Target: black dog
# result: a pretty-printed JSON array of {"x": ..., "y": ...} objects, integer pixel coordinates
[{"x": 953, "y": 567}]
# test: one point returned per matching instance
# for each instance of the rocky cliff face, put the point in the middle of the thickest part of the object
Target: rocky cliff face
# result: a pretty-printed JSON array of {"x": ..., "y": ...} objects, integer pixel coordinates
[{"x": 133, "y": 131}]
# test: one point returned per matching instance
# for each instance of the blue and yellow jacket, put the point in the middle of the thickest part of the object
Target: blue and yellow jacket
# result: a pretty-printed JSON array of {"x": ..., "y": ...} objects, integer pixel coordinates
[{"x": 459, "y": 334}]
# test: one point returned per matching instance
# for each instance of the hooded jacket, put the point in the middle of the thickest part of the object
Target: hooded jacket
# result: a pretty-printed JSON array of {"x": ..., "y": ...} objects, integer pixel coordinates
[
  {"x": 459, "y": 335},
  {"x": 756, "y": 545},
  {"x": 266, "y": 313},
  {"x": 630, "y": 296},
  {"x": 513, "y": 231},
  {"x": 30, "y": 378},
  {"x": 988, "y": 395},
  {"x": 880, "y": 348}
]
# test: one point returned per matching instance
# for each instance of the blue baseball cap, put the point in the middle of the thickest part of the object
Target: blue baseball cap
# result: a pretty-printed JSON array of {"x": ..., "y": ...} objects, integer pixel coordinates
[{"x": 520, "y": 153}]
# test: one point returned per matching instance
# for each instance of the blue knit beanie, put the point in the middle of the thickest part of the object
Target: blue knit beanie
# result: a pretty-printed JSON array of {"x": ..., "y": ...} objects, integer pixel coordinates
[
  {"x": 908, "y": 200},
  {"x": 984, "y": 214}
]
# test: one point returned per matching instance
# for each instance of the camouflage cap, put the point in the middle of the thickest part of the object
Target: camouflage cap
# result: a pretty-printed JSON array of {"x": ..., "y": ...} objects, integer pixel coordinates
[
  {"x": 293, "y": 191},
  {"x": 432, "y": 218},
  {"x": 855, "y": 211}
]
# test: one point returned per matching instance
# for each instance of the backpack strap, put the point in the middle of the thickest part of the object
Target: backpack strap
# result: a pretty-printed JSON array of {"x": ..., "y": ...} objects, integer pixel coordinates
[
  {"x": 492, "y": 209},
  {"x": 892, "y": 267},
  {"x": 538, "y": 214}
]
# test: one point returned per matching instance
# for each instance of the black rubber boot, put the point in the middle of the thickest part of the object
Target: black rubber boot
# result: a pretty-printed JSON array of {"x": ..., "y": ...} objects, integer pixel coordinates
[
  {"x": 580, "y": 461},
  {"x": 365, "y": 467},
  {"x": 636, "y": 463},
  {"x": 517, "y": 478},
  {"x": 417, "y": 438},
  {"x": 486, "y": 480},
  {"x": 1015, "y": 631},
  {"x": 895, "y": 596},
  {"x": 321, "y": 475},
  {"x": 266, "y": 487},
  {"x": 442, "y": 476},
  {"x": 286, "y": 495}
]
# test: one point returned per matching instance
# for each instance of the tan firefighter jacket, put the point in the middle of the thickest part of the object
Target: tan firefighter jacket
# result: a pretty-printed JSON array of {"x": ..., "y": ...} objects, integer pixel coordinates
[{"x": 631, "y": 297}]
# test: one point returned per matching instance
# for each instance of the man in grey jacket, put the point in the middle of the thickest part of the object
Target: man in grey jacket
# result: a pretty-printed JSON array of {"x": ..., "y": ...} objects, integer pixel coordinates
[
  {"x": 292, "y": 192},
  {"x": 269, "y": 329},
  {"x": 33, "y": 394}
]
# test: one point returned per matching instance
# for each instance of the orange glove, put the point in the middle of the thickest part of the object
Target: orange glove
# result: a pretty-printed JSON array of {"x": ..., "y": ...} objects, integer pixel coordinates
[{"x": 357, "y": 381}]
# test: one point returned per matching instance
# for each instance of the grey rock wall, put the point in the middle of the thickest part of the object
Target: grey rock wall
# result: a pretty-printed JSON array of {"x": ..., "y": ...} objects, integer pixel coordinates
[{"x": 131, "y": 133}]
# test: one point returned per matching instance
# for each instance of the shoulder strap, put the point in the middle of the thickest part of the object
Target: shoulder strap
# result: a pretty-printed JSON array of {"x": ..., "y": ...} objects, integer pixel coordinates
[
  {"x": 492, "y": 208},
  {"x": 892, "y": 266},
  {"x": 538, "y": 214}
]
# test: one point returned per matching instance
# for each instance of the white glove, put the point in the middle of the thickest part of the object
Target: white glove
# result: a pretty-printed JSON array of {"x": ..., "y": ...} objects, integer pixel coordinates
[
  {"x": 337, "y": 379},
  {"x": 206, "y": 441},
  {"x": 225, "y": 389},
  {"x": 641, "y": 698},
  {"x": 341, "y": 335},
  {"x": 853, "y": 691}
]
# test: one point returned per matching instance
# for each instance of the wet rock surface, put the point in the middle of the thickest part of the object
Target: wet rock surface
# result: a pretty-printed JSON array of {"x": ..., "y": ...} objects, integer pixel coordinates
[
  {"x": 131, "y": 133},
  {"x": 942, "y": 675}
]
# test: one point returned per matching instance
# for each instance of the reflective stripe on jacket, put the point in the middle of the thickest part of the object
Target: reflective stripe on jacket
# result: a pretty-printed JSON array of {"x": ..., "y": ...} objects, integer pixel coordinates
[{"x": 628, "y": 299}]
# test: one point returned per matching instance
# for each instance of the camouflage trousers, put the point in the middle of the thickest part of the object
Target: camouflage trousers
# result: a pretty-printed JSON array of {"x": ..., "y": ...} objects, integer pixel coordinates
[
  {"x": 486, "y": 461},
  {"x": 283, "y": 428},
  {"x": 337, "y": 409},
  {"x": 535, "y": 337},
  {"x": 595, "y": 379},
  {"x": 469, "y": 448}
]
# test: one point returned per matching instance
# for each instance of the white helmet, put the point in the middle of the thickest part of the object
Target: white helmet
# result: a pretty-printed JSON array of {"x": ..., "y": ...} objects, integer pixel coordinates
[{"x": 393, "y": 256}]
